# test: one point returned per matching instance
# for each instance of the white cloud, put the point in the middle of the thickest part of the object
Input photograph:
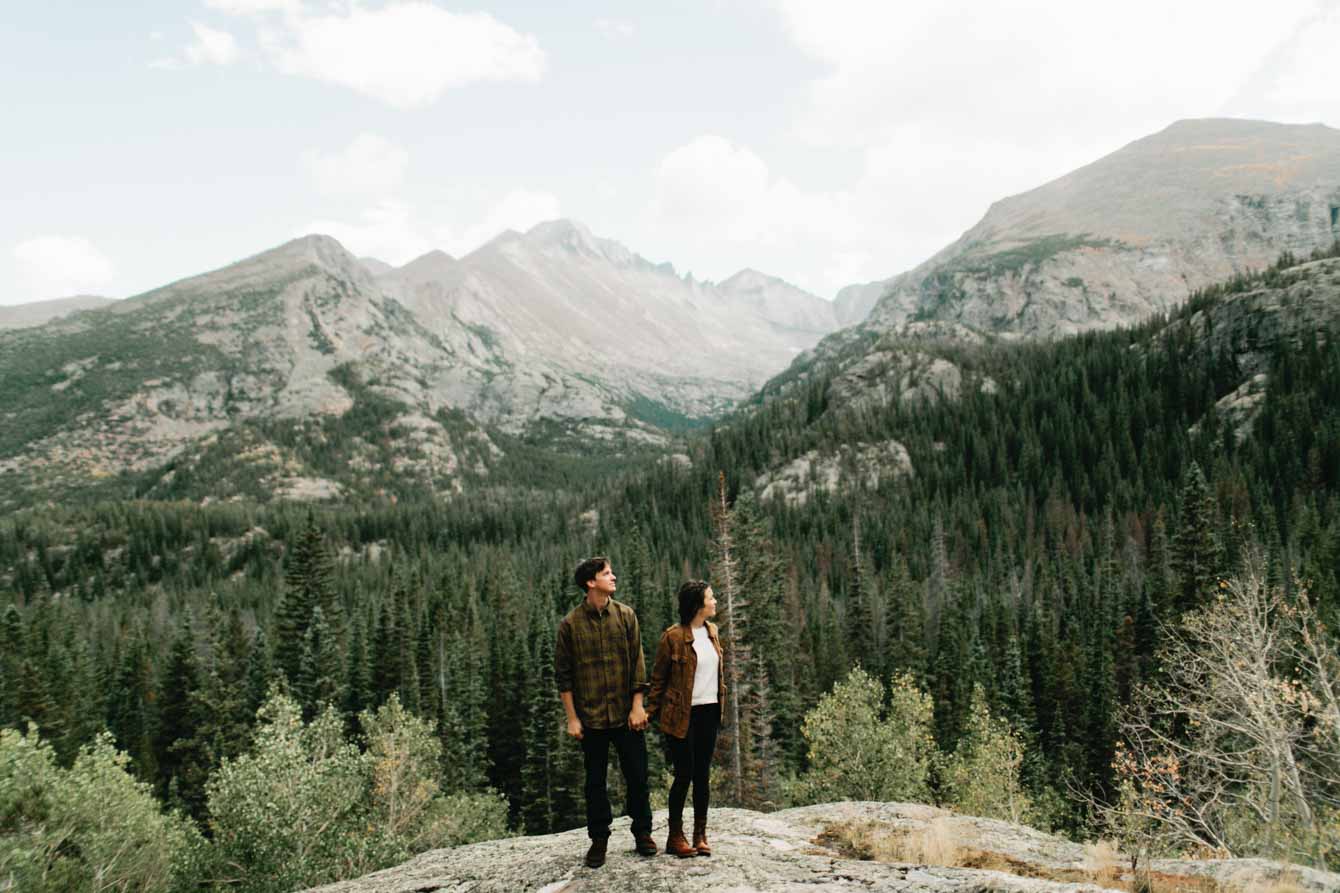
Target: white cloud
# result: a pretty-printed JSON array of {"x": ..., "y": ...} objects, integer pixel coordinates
[
  {"x": 394, "y": 231},
  {"x": 370, "y": 165},
  {"x": 718, "y": 203},
  {"x": 1298, "y": 83},
  {"x": 954, "y": 105},
  {"x": 615, "y": 29},
  {"x": 254, "y": 7},
  {"x": 1026, "y": 70},
  {"x": 519, "y": 210},
  {"x": 61, "y": 266},
  {"x": 406, "y": 54},
  {"x": 386, "y": 231},
  {"x": 211, "y": 47}
]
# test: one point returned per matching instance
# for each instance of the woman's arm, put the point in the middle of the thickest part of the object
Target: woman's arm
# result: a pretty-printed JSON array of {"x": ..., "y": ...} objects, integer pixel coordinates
[{"x": 660, "y": 672}]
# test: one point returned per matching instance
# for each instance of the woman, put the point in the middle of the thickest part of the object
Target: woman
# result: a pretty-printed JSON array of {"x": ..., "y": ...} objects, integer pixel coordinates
[{"x": 687, "y": 688}]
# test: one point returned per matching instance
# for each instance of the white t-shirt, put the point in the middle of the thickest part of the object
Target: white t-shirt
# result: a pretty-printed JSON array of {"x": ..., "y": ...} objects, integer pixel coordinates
[{"x": 705, "y": 678}]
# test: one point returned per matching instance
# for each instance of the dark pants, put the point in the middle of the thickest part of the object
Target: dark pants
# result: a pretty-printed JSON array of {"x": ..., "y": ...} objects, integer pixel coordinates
[
  {"x": 632, "y": 750},
  {"x": 692, "y": 759}
]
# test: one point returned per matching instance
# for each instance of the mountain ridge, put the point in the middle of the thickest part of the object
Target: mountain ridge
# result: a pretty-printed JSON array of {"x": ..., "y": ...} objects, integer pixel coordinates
[{"x": 1130, "y": 234}]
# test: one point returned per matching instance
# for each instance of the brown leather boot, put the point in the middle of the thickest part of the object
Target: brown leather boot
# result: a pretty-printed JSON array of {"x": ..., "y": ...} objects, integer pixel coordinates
[
  {"x": 700, "y": 844},
  {"x": 595, "y": 856},
  {"x": 676, "y": 844},
  {"x": 644, "y": 845}
]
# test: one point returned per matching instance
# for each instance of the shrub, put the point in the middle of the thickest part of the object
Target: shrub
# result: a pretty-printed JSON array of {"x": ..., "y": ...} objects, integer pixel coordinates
[
  {"x": 982, "y": 775},
  {"x": 86, "y": 828},
  {"x": 854, "y": 754}
]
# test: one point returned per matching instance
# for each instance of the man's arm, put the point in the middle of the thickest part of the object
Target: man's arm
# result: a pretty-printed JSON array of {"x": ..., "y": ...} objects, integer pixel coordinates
[
  {"x": 563, "y": 678},
  {"x": 574, "y": 724},
  {"x": 637, "y": 717}
]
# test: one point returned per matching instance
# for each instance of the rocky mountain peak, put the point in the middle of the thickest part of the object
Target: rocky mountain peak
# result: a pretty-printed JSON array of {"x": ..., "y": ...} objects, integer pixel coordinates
[
  {"x": 427, "y": 266},
  {"x": 294, "y": 258},
  {"x": 1131, "y": 234},
  {"x": 779, "y": 301},
  {"x": 748, "y": 279},
  {"x": 571, "y": 237}
]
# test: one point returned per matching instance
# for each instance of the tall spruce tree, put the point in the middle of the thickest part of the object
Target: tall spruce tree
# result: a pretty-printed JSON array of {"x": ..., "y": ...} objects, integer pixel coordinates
[
  {"x": 1197, "y": 552},
  {"x": 308, "y": 584}
]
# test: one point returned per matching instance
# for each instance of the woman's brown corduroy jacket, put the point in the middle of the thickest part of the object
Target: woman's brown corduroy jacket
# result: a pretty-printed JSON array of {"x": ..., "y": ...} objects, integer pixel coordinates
[{"x": 672, "y": 674}]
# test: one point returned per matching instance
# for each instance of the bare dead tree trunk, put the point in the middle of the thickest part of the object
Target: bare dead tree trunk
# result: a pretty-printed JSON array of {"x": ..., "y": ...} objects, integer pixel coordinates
[{"x": 726, "y": 577}]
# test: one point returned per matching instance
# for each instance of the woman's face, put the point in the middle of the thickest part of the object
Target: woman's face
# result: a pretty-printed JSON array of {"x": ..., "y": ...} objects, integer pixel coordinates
[{"x": 709, "y": 608}]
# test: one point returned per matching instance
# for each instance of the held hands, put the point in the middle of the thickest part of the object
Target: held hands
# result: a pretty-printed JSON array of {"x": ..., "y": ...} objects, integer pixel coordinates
[
  {"x": 637, "y": 718},
  {"x": 575, "y": 727}
]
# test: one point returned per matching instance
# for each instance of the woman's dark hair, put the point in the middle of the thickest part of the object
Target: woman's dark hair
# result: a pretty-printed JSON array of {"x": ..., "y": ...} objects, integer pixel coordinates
[
  {"x": 587, "y": 570},
  {"x": 691, "y": 596}
]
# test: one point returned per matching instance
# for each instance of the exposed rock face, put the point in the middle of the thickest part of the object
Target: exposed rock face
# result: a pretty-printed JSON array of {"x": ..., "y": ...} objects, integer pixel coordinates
[
  {"x": 1132, "y": 234},
  {"x": 795, "y": 850},
  {"x": 559, "y": 324},
  {"x": 144, "y": 379},
  {"x": 862, "y": 464}
]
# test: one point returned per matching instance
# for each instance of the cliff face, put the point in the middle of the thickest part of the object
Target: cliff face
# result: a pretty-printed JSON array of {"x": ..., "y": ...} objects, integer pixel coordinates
[
  {"x": 1132, "y": 234},
  {"x": 841, "y": 846}
]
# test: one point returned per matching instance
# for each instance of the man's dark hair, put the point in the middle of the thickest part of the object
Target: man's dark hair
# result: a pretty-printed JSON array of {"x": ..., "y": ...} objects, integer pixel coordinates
[
  {"x": 587, "y": 570},
  {"x": 691, "y": 597}
]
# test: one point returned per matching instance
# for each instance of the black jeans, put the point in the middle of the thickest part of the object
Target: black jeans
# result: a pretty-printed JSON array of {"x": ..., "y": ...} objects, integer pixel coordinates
[
  {"x": 632, "y": 750},
  {"x": 692, "y": 759}
]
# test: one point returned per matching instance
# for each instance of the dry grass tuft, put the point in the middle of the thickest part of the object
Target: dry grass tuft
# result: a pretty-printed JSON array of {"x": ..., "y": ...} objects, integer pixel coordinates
[
  {"x": 939, "y": 844},
  {"x": 1103, "y": 860}
]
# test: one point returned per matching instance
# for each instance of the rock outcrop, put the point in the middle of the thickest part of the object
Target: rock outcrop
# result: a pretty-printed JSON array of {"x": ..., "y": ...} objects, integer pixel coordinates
[{"x": 915, "y": 848}]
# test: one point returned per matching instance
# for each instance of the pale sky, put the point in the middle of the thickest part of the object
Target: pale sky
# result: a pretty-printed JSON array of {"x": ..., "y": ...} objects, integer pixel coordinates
[{"x": 826, "y": 142}]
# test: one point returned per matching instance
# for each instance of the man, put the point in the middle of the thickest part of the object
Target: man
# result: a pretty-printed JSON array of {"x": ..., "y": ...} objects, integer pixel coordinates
[{"x": 602, "y": 677}]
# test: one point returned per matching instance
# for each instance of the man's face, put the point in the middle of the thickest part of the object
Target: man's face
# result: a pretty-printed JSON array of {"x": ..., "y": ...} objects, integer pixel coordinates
[{"x": 604, "y": 582}]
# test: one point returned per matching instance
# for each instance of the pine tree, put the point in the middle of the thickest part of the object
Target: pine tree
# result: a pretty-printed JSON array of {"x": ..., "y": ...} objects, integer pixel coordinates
[
  {"x": 320, "y": 680},
  {"x": 128, "y": 707},
  {"x": 260, "y": 672},
  {"x": 223, "y": 701},
  {"x": 308, "y": 584},
  {"x": 178, "y": 723},
  {"x": 550, "y": 782},
  {"x": 906, "y": 651},
  {"x": 11, "y": 657},
  {"x": 385, "y": 657},
  {"x": 357, "y": 689},
  {"x": 862, "y": 636},
  {"x": 1197, "y": 553}
]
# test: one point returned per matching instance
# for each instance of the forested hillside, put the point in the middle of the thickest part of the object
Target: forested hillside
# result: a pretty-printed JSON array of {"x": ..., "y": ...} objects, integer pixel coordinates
[{"x": 1054, "y": 528}]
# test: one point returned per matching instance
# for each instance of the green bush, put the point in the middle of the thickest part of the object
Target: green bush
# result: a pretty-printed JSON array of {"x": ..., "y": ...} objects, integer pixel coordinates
[
  {"x": 305, "y": 807},
  {"x": 87, "y": 828},
  {"x": 982, "y": 776},
  {"x": 855, "y": 754}
]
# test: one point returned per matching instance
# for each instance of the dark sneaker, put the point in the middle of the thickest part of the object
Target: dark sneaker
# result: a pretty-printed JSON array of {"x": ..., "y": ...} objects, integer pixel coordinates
[
  {"x": 595, "y": 856},
  {"x": 644, "y": 845}
]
